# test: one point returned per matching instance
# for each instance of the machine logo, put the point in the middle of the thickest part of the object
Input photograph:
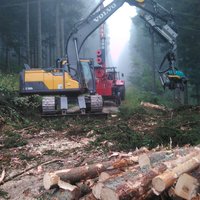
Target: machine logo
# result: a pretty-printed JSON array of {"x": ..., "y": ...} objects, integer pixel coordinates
[{"x": 105, "y": 12}]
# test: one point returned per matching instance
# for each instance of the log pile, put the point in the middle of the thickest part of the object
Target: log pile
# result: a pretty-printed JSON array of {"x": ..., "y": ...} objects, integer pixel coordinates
[{"x": 174, "y": 172}]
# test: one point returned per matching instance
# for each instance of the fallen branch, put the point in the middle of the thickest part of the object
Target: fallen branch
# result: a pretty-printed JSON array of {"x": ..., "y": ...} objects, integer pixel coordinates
[
  {"x": 28, "y": 169},
  {"x": 25, "y": 129},
  {"x": 2, "y": 175}
]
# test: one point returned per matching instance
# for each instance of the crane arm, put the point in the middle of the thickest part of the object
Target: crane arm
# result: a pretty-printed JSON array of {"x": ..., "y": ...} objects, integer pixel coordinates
[
  {"x": 170, "y": 77},
  {"x": 164, "y": 31},
  {"x": 97, "y": 17}
]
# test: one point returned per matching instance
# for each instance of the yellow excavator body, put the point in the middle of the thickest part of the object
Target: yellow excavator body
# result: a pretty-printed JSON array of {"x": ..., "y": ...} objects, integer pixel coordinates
[
  {"x": 140, "y": 1},
  {"x": 48, "y": 81},
  {"x": 53, "y": 80}
]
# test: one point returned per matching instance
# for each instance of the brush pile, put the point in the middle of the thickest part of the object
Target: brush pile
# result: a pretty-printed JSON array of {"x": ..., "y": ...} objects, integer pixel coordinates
[{"x": 138, "y": 175}]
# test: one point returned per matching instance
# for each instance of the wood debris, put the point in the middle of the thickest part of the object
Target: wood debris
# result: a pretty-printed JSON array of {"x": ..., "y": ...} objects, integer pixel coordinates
[
  {"x": 153, "y": 106},
  {"x": 2, "y": 175},
  {"x": 151, "y": 174},
  {"x": 186, "y": 187}
]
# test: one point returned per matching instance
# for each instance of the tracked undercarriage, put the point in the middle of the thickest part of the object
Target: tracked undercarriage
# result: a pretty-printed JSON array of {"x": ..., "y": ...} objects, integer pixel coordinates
[{"x": 61, "y": 105}]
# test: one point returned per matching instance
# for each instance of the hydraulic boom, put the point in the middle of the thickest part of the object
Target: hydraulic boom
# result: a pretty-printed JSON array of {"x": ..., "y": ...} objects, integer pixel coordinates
[{"x": 73, "y": 78}]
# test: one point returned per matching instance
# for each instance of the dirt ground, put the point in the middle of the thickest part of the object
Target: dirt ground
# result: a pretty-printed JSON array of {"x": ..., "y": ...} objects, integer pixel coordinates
[
  {"x": 22, "y": 168},
  {"x": 45, "y": 151}
]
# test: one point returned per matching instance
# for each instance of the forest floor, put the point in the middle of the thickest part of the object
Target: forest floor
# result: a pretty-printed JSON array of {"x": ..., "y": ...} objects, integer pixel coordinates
[{"x": 51, "y": 144}]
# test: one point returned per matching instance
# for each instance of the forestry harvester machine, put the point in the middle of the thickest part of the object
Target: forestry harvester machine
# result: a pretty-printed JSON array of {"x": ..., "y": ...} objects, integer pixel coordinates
[
  {"x": 73, "y": 79},
  {"x": 108, "y": 81}
]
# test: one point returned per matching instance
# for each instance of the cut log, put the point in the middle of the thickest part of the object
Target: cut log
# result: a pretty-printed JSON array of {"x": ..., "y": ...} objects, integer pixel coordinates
[
  {"x": 88, "y": 197},
  {"x": 144, "y": 162},
  {"x": 152, "y": 106},
  {"x": 96, "y": 190},
  {"x": 81, "y": 173},
  {"x": 61, "y": 194},
  {"x": 167, "y": 179},
  {"x": 196, "y": 198},
  {"x": 107, "y": 174},
  {"x": 72, "y": 192},
  {"x": 86, "y": 186},
  {"x": 136, "y": 184},
  {"x": 50, "y": 180},
  {"x": 183, "y": 157},
  {"x": 131, "y": 185},
  {"x": 186, "y": 187}
]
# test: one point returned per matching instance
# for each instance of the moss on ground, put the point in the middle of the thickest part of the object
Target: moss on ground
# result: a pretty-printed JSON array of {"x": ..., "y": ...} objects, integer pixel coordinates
[
  {"x": 12, "y": 139},
  {"x": 129, "y": 130}
]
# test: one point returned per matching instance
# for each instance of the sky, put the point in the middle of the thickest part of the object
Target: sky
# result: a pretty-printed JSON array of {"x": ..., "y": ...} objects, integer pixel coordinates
[{"x": 119, "y": 26}]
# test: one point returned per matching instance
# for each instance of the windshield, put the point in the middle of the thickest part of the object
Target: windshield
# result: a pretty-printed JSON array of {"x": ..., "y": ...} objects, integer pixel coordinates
[{"x": 88, "y": 76}]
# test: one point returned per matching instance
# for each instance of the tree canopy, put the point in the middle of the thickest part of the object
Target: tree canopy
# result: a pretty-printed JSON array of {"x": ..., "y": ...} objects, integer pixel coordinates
[{"x": 35, "y": 32}]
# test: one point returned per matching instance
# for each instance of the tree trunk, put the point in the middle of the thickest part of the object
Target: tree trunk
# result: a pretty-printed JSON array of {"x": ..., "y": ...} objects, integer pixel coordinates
[
  {"x": 96, "y": 190},
  {"x": 167, "y": 179},
  {"x": 153, "y": 62},
  {"x": 197, "y": 94},
  {"x": 19, "y": 56},
  {"x": 27, "y": 33},
  {"x": 145, "y": 163},
  {"x": 72, "y": 192},
  {"x": 186, "y": 187},
  {"x": 136, "y": 183},
  {"x": 35, "y": 53},
  {"x": 186, "y": 98},
  {"x": 58, "y": 47},
  {"x": 62, "y": 30},
  {"x": 81, "y": 173},
  {"x": 39, "y": 35},
  {"x": 88, "y": 197},
  {"x": 131, "y": 185}
]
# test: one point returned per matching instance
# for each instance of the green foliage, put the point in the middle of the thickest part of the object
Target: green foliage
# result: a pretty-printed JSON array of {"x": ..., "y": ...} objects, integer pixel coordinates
[
  {"x": 135, "y": 96},
  {"x": 13, "y": 107},
  {"x": 13, "y": 29},
  {"x": 163, "y": 135},
  {"x": 4, "y": 194},
  {"x": 13, "y": 139},
  {"x": 29, "y": 102},
  {"x": 9, "y": 82},
  {"x": 121, "y": 136},
  {"x": 51, "y": 152},
  {"x": 183, "y": 128},
  {"x": 24, "y": 156},
  {"x": 187, "y": 47},
  {"x": 56, "y": 124}
]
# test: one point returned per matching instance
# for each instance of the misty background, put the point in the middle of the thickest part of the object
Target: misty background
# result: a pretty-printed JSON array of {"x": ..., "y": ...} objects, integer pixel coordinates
[{"x": 36, "y": 31}]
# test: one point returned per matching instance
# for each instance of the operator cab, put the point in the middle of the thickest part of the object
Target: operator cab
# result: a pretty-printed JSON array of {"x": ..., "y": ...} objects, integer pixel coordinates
[
  {"x": 85, "y": 76},
  {"x": 112, "y": 73},
  {"x": 87, "y": 66}
]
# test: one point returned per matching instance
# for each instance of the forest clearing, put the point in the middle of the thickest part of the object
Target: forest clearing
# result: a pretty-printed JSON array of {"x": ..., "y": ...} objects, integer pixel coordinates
[
  {"x": 99, "y": 100},
  {"x": 48, "y": 145}
]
